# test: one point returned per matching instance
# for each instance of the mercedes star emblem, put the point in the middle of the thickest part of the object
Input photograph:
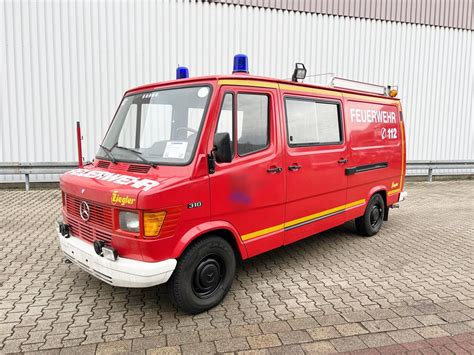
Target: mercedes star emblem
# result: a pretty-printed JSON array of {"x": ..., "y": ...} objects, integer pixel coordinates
[{"x": 84, "y": 211}]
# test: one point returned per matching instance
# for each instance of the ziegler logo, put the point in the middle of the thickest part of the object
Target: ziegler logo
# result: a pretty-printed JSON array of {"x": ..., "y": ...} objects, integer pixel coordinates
[
  {"x": 121, "y": 200},
  {"x": 394, "y": 185}
]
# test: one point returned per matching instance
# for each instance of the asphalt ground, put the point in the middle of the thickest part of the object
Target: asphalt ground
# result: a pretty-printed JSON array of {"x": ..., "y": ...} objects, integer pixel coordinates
[{"x": 408, "y": 289}]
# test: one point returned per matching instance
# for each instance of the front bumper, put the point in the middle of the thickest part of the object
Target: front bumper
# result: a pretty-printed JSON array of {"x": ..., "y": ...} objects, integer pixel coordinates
[{"x": 122, "y": 272}]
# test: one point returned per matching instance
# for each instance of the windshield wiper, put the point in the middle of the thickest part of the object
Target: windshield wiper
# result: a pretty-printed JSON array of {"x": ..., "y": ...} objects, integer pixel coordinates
[
  {"x": 108, "y": 152},
  {"x": 138, "y": 155}
]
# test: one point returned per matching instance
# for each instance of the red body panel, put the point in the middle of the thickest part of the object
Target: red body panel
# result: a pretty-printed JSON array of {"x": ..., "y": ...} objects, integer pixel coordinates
[{"x": 261, "y": 210}]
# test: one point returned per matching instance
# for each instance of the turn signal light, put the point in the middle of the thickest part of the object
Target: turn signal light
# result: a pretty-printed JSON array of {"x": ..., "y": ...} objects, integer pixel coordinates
[{"x": 152, "y": 222}]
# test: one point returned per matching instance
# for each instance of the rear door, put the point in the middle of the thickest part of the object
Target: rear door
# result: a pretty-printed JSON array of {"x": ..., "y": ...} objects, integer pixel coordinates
[
  {"x": 249, "y": 192},
  {"x": 315, "y": 160}
]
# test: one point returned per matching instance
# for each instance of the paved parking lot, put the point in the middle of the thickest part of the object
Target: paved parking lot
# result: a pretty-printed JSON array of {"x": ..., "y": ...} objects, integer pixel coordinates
[{"x": 412, "y": 284}]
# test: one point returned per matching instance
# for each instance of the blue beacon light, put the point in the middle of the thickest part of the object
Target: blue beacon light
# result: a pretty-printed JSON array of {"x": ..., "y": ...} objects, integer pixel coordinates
[
  {"x": 241, "y": 64},
  {"x": 182, "y": 73}
]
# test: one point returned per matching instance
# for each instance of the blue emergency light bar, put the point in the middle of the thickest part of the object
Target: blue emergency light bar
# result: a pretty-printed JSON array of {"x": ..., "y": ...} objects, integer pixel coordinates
[
  {"x": 182, "y": 73},
  {"x": 241, "y": 64}
]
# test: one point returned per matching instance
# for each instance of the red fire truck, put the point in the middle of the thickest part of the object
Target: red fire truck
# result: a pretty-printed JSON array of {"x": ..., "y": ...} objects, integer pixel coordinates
[{"x": 196, "y": 173}]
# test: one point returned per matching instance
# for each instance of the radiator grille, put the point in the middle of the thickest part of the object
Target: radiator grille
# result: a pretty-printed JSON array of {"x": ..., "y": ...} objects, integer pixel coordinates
[
  {"x": 100, "y": 215},
  {"x": 99, "y": 225}
]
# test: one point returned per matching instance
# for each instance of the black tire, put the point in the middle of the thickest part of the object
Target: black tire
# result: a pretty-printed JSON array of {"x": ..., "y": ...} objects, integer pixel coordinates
[
  {"x": 203, "y": 275},
  {"x": 370, "y": 223}
]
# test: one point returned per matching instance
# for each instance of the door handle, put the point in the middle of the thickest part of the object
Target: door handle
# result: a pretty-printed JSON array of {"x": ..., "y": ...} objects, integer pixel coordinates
[
  {"x": 274, "y": 170},
  {"x": 342, "y": 161},
  {"x": 294, "y": 167}
]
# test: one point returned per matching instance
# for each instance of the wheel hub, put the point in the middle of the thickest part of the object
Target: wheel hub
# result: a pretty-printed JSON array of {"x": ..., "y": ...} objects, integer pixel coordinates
[
  {"x": 207, "y": 276},
  {"x": 375, "y": 215}
]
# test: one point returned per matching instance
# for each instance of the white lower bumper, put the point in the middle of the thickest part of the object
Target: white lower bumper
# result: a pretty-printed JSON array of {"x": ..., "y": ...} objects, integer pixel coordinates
[
  {"x": 403, "y": 196},
  {"x": 121, "y": 272}
]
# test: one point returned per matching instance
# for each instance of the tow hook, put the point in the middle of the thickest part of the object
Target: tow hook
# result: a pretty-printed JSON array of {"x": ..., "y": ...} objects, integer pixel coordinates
[
  {"x": 64, "y": 229},
  {"x": 105, "y": 251}
]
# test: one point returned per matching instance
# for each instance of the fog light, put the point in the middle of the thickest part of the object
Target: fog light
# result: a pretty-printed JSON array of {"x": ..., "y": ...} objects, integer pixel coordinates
[{"x": 109, "y": 253}]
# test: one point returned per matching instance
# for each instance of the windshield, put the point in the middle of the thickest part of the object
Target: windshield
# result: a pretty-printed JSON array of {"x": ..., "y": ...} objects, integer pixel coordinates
[{"x": 158, "y": 127}]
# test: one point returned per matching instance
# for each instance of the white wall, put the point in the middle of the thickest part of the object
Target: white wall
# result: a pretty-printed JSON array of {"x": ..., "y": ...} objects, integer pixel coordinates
[{"x": 63, "y": 61}]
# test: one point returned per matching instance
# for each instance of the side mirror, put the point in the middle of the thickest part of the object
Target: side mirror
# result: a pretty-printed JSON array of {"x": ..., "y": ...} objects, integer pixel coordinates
[{"x": 222, "y": 148}]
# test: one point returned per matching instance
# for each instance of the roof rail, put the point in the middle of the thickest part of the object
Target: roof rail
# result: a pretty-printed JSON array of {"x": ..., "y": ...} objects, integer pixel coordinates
[{"x": 342, "y": 83}]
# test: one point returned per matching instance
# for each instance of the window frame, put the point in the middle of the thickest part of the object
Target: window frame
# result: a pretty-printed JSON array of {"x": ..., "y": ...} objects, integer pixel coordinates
[
  {"x": 223, "y": 96},
  {"x": 236, "y": 128},
  {"x": 315, "y": 100}
]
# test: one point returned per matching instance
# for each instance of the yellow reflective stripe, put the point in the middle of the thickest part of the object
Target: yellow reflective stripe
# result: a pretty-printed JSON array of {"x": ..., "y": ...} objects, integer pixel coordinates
[
  {"x": 301, "y": 220},
  {"x": 313, "y": 216},
  {"x": 393, "y": 192},
  {"x": 402, "y": 133},
  {"x": 255, "y": 83},
  {"x": 355, "y": 203},
  {"x": 262, "y": 232},
  {"x": 310, "y": 90}
]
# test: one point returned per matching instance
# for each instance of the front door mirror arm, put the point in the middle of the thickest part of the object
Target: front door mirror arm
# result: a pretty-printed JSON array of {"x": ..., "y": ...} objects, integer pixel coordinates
[{"x": 211, "y": 161}]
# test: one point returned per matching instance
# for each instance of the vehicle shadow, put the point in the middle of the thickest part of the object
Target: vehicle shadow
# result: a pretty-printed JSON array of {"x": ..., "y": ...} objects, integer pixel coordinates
[{"x": 279, "y": 264}]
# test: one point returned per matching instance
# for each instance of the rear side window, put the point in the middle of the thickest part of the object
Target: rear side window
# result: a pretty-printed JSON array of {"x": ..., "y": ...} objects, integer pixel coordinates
[
  {"x": 312, "y": 122},
  {"x": 252, "y": 123}
]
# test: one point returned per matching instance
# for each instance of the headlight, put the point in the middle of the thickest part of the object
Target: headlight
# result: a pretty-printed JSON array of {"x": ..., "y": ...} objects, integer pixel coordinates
[
  {"x": 152, "y": 222},
  {"x": 129, "y": 221}
]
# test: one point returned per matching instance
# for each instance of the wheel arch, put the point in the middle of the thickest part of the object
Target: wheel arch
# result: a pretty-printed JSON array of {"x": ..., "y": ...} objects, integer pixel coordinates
[
  {"x": 219, "y": 228},
  {"x": 380, "y": 189}
]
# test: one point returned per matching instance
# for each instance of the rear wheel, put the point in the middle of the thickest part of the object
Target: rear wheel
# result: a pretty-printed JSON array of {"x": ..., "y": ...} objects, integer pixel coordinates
[
  {"x": 203, "y": 275},
  {"x": 370, "y": 223}
]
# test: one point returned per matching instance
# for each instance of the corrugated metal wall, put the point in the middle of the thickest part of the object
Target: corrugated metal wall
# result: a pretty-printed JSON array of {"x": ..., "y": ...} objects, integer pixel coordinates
[
  {"x": 446, "y": 13},
  {"x": 64, "y": 61}
]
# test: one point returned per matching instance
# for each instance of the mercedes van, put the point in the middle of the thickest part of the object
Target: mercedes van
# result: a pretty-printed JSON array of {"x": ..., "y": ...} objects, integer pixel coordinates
[{"x": 196, "y": 173}]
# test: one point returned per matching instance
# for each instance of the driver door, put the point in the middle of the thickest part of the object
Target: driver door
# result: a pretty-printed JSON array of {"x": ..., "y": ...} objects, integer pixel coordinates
[{"x": 249, "y": 191}]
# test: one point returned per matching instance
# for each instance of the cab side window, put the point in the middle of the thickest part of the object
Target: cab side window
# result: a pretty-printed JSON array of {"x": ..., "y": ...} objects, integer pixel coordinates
[
  {"x": 225, "y": 124},
  {"x": 252, "y": 123},
  {"x": 312, "y": 122}
]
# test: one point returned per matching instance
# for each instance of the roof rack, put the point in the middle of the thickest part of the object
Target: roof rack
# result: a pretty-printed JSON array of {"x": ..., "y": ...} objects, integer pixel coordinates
[{"x": 342, "y": 83}]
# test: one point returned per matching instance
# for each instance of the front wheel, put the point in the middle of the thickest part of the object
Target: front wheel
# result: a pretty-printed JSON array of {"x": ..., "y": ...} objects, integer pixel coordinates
[
  {"x": 370, "y": 223},
  {"x": 203, "y": 275}
]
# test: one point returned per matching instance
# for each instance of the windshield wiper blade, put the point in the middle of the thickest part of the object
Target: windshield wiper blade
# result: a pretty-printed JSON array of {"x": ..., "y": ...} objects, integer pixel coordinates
[
  {"x": 138, "y": 155},
  {"x": 108, "y": 152}
]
